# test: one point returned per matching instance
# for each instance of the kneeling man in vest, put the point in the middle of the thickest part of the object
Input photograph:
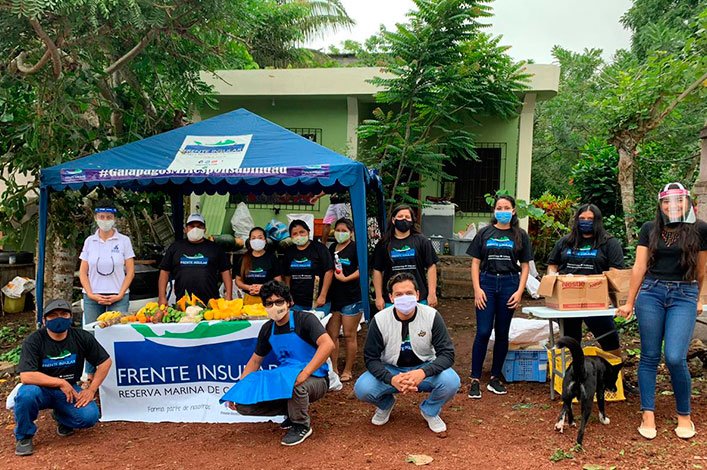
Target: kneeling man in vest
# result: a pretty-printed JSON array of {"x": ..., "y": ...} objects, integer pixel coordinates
[{"x": 408, "y": 349}]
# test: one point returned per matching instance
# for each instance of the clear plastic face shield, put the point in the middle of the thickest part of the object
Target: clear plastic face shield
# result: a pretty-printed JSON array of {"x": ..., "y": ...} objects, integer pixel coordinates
[{"x": 676, "y": 206}]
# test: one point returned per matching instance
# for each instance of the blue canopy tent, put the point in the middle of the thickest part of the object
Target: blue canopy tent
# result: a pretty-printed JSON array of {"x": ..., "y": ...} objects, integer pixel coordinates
[{"x": 236, "y": 152}]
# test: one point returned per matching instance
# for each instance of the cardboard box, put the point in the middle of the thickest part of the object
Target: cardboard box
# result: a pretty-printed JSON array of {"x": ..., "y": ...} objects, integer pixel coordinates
[
  {"x": 575, "y": 292},
  {"x": 619, "y": 281}
]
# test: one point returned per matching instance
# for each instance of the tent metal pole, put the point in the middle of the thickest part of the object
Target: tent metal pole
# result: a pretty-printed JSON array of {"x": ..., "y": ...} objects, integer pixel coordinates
[
  {"x": 357, "y": 193},
  {"x": 177, "y": 213},
  {"x": 41, "y": 252}
]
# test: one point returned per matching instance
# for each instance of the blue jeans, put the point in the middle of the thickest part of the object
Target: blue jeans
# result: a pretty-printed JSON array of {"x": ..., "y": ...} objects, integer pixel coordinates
[
  {"x": 441, "y": 387},
  {"x": 497, "y": 317},
  {"x": 91, "y": 311},
  {"x": 32, "y": 398},
  {"x": 326, "y": 308},
  {"x": 666, "y": 311}
]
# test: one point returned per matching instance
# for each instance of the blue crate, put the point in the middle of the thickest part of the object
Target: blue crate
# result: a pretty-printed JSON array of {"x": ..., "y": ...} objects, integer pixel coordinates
[{"x": 525, "y": 366}]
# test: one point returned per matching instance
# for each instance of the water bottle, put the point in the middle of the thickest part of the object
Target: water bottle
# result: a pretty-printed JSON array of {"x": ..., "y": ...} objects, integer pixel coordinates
[{"x": 337, "y": 263}]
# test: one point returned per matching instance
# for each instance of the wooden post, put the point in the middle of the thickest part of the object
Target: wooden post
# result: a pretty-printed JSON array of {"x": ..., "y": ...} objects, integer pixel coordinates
[{"x": 700, "y": 188}]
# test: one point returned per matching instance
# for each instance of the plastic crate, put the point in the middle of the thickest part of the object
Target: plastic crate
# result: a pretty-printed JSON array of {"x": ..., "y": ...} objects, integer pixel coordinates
[
  {"x": 437, "y": 243},
  {"x": 588, "y": 351},
  {"x": 528, "y": 365},
  {"x": 458, "y": 247}
]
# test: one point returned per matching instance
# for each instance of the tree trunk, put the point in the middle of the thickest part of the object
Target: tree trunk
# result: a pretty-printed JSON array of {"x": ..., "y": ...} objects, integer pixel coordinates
[
  {"x": 60, "y": 265},
  {"x": 626, "y": 146}
]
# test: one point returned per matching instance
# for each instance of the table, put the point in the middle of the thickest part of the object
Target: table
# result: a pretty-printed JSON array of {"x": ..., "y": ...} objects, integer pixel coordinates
[{"x": 560, "y": 315}]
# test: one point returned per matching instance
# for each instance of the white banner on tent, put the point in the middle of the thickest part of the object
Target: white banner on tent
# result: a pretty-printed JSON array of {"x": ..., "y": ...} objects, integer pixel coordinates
[
  {"x": 211, "y": 153},
  {"x": 175, "y": 372}
]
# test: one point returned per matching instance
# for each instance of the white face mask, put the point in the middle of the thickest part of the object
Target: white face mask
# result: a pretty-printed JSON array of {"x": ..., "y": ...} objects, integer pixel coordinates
[
  {"x": 301, "y": 240},
  {"x": 276, "y": 313},
  {"x": 405, "y": 304},
  {"x": 195, "y": 234},
  {"x": 105, "y": 225},
  {"x": 257, "y": 244}
]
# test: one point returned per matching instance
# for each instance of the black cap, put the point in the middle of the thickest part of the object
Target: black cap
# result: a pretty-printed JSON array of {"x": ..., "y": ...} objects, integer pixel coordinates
[{"x": 57, "y": 304}]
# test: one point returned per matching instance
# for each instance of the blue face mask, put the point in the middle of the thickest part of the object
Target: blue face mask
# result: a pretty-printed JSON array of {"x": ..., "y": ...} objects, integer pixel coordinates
[
  {"x": 503, "y": 217},
  {"x": 59, "y": 325},
  {"x": 586, "y": 226}
]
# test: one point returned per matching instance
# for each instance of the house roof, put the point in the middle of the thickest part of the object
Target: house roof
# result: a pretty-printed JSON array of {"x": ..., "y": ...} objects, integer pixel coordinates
[{"x": 340, "y": 81}]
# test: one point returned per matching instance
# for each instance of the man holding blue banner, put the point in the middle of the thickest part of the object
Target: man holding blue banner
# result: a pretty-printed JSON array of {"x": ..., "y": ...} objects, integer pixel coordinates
[{"x": 301, "y": 346}]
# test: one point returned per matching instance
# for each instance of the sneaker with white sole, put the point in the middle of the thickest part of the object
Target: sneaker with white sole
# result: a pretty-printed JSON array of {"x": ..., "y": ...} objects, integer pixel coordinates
[
  {"x": 380, "y": 417},
  {"x": 474, "y": 390},
  {"x": 434, "y": 422},
  {"x": 496, "y": 386},
  {"x": 296, "y": 435}
]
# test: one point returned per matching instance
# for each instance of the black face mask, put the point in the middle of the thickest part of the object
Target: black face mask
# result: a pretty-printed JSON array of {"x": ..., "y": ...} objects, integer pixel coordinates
[{"x": 402, "y": 225}]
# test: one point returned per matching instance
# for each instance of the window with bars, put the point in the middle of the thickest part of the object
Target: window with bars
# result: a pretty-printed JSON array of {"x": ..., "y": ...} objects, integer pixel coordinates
[
  {"x": 312, "y": 133},
  {"x": 474, "y": 178}
]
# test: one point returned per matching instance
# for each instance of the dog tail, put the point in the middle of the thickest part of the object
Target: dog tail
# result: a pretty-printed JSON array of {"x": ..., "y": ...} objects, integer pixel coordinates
[{"x": 577, "y": 355}]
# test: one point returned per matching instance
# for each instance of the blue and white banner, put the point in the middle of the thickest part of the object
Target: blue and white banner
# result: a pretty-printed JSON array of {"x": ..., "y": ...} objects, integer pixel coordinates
[
  {"x": 224, "y": 152},
  {"x": 176, "y": 372}
]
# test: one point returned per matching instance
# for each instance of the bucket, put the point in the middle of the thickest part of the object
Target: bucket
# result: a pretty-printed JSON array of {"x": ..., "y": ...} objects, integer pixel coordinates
[{"x": 11, "y": 305}]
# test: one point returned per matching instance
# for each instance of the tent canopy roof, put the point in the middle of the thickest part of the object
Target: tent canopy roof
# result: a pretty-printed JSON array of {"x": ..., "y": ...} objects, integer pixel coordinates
[{"x": 275, "y": 160}]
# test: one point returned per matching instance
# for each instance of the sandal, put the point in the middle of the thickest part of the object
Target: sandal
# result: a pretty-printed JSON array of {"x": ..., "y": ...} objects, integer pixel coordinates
[
  {"x": 648, "y": 433},
  {"x": 346, "y": 377},
  {"x": 686, "y": 433}
]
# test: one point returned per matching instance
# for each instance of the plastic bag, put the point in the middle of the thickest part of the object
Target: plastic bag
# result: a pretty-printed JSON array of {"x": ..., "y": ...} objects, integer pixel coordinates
[
  {"x": 307, "y": 218},
  {"x": 276, "y": 230},
  {"x": 524, "y": 332},
  {"x": 469, "y": 233},
  {"x": 532, "y": 286},
  {"x": 18, "y": 287},
  {"x": 242, "y": 222}
]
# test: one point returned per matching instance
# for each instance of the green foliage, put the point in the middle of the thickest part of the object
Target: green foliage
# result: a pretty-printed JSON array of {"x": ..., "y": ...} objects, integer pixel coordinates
[
  {"x": 564, "y": 124},
  {"x": 12, "y": 355},
  {"x": 594, "y": 176},
  {"x": 446, "y": 72},
  {"x": 554, "y": 223}
]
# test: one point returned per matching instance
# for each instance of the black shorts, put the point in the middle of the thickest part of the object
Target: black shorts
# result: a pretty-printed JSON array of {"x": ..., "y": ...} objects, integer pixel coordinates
[{"x": 598, "y": 326}]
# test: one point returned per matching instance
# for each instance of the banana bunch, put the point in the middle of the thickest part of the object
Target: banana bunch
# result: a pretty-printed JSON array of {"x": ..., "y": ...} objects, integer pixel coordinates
[{"x": 108, "y": 319}]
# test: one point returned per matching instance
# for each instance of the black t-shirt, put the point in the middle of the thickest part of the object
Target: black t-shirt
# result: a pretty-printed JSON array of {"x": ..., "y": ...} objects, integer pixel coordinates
[
  {"x": 413, "y": 254},
  {"x": 345, "y": 293},
  {"x": 407, "y": 357},
  {"x": 666, "y": 260},
  {"x": 195, "y": 267},
  {"x": 498, "y": 252},
  {"x": 307, "y": 326},
  {"x": 262, "y": 269},
  {"x": 61, "y": 359},
  {"x": 586, "y": 259},
  {"x": 302, "y": 266}
]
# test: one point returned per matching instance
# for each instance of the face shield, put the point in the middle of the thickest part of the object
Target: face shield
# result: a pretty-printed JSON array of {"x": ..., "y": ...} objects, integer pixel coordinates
[{"x": 676, "y": 205}]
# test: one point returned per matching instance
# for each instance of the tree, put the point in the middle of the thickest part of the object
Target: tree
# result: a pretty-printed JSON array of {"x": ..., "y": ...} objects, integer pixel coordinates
[
  {"x": 83, "y": 76},
  {"x": 565, "y": 124},
  {"x": 281, "y": 25},
  {"x": 642, "y": 95},
  {"x": 446, "y": 72}
]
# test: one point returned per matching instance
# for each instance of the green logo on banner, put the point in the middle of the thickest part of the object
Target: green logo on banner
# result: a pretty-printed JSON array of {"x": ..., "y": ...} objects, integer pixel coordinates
[{"x": 202, "y": 330}]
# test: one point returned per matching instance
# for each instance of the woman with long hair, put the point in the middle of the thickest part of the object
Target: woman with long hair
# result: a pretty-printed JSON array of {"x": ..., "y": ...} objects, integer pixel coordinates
[
  {"x": 501, "y": 253},
  {"x": 303, "y": 263},
  {"x": 258, "y": 266},
  {"x": 345, "y": 295},
  {"x": 665, "y": 285},
  {"x": 403, "y": 248},
  {"x": 588, "y": 249}
]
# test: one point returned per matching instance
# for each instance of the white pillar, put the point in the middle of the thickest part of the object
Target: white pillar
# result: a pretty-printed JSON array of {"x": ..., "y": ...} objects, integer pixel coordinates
[
  {"x": 525, "y": 151},
  {"x": 352, "y": 126}
]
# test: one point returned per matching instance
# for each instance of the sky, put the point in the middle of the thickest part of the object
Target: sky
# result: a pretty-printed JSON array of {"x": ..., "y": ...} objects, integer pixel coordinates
[{"x": 530, "y": 27}]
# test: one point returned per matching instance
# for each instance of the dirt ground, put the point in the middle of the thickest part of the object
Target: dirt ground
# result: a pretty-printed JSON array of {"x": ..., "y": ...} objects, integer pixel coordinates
[{"x": 514, "y": 431}]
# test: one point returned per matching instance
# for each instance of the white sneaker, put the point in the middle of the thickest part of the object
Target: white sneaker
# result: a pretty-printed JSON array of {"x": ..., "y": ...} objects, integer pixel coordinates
[
  {"x": 434, "y": 422},
  {"x": 380, "y": 417}
]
